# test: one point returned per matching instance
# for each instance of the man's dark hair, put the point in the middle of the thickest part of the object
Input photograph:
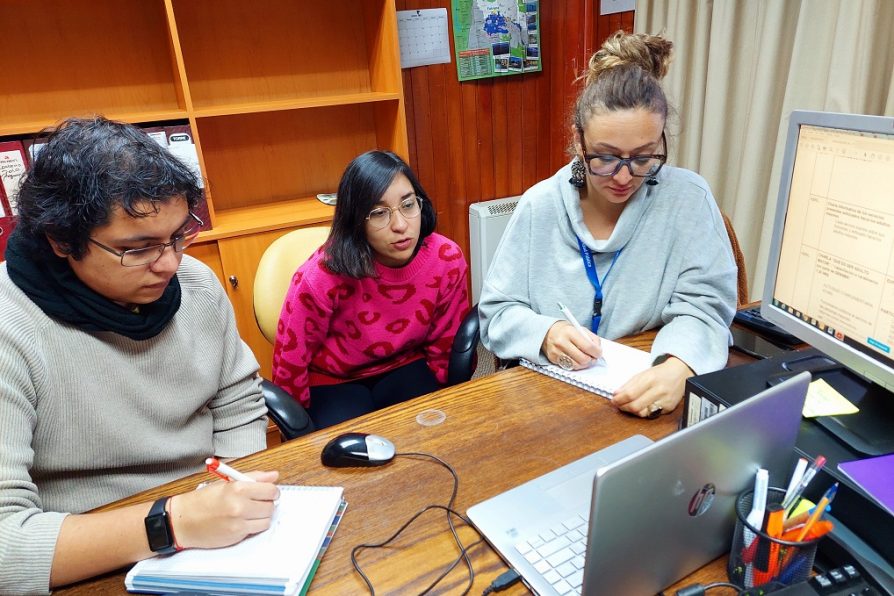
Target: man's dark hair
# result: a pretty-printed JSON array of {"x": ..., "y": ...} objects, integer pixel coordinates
[
  {"x": 87, "y": 168},
  {"x": 362, "y": 185}
]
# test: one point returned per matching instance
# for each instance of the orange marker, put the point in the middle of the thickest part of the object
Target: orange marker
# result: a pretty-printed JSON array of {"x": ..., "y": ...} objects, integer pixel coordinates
[{"x": 766, "y": 565}]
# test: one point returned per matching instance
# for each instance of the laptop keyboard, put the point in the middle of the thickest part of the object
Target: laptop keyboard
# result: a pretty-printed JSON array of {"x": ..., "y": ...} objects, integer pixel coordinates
[{"x": 557, "y": 553}]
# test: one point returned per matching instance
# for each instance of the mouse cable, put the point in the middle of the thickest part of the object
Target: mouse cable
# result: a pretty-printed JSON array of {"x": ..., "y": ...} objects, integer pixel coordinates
[
  {"x": 463, "y": 554},
  {"x": 450, "y": 505},
  {"x": 504, "y": 581},
  {"x": 700, "y": 589}
]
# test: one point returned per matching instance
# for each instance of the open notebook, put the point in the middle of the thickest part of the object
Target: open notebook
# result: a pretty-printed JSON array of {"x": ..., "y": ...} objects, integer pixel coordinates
[
  {"x": 281, "y": 560},
  {"x": 606, "y": 375}
]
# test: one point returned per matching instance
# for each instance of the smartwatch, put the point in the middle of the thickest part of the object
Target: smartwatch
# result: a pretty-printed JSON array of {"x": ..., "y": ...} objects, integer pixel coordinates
[{"x": 158, "y": 529}]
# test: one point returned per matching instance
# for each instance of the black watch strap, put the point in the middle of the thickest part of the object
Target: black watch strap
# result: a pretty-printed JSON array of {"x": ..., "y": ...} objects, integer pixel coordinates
[{"x": 158, "y": 529}]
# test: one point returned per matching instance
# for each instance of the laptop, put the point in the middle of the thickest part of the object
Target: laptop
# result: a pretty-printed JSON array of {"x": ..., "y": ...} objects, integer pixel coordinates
[{"x": 638, "y": 516}]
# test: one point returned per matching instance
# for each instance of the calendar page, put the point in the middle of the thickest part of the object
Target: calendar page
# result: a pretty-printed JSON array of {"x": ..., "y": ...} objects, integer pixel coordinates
[{"x": 423, "y": 37}]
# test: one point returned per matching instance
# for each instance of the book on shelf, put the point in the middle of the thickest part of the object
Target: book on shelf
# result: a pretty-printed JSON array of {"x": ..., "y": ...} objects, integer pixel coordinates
[
  {"x": 605, "y": 376},
  {"x": 12, "y": 168},
  {"x": 7, "y": 225},
  {"x": 281, "y": 560},
  {"x": 5, "y": 209},
  {"x": 178, "y": 140},
  {"x": 157, "y": 134}
]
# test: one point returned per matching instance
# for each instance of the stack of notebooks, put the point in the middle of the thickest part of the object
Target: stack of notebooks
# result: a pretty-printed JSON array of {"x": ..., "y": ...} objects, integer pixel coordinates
[
  {"x": 281, "y": 560},
  {"x": 617, "y": 365}
]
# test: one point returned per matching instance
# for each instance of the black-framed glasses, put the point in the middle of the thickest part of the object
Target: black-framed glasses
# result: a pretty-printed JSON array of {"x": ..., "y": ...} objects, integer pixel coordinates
[
  {"x": 641, "y": 166},
  {"x": 136, "y": 257},
  {"x": 380, "y": 217}
]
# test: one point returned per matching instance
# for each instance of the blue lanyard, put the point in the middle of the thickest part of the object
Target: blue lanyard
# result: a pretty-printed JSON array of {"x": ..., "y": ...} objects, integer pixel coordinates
[{"x": 590, "y": 266}]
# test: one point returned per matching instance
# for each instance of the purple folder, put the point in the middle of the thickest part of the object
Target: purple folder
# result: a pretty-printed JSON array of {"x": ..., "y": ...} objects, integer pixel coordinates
[{"x": 875, "y": 476}]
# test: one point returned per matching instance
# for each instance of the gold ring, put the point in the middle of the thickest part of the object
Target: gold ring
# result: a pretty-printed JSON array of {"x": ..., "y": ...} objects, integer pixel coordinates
[
  {"x": 566, "y": 362},
  {"x": 654, "y": 411}
]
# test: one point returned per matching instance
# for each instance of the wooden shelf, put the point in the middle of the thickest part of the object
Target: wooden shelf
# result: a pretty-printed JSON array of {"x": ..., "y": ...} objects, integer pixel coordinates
[
  {"x": 27, "y": 128},
  {"x": 294, "y": 104},
  {"x": 64, "y": 58},
  {"x": 280, "y": 95},
  {"x": 236, "y": 52},
  {"x": 290, "y": 213}
]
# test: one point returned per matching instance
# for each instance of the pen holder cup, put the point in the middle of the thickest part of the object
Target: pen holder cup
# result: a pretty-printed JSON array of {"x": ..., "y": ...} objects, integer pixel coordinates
[{"x": 757, "y": 559}]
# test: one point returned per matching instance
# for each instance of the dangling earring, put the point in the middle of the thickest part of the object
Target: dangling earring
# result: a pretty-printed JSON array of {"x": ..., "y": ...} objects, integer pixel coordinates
[
  {"x": 652, "y": 181},
  {"x": 578, "y": 173}
]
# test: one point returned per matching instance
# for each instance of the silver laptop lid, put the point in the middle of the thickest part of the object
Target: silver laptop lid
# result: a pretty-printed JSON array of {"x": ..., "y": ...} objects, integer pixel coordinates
[{"x": 663, "y": 512}]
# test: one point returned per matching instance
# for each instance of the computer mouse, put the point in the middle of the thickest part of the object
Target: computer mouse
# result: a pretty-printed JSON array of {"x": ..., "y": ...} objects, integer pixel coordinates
[{"x": 352, "y": 450}]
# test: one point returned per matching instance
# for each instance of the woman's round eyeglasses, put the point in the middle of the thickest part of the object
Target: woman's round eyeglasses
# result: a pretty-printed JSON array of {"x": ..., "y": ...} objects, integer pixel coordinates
[
  {"x": 641, "y": 166},
  {"x": 380, "y": 217}
]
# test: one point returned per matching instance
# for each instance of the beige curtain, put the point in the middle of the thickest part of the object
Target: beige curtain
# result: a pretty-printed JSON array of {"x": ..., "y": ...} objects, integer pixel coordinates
[{"x": 741, "y": 66}]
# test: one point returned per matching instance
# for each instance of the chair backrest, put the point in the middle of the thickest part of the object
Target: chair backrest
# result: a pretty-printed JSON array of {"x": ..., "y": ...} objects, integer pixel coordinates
[
  {"x": 742, "y": 281},
  {"x": 275, "y": 270}
]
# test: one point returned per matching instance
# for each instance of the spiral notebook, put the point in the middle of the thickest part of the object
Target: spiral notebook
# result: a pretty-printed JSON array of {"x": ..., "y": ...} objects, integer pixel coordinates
[
  {"x": 281, "y": 560},
  {"x": 617, "y": 365}
]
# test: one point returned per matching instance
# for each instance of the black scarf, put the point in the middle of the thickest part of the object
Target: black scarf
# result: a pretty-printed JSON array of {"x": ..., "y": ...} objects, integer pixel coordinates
[{"x": 52, "y": 285}]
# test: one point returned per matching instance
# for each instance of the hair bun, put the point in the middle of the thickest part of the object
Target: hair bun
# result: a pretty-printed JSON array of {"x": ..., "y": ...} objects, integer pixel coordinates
[{"x": 649, "y": 52}]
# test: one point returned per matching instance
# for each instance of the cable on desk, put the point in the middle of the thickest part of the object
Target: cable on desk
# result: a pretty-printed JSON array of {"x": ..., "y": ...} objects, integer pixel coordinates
[
  {"x": 463, "y": 552},
  {"x": 503, "y": 582},
  {"x": 700, "y": 589}
]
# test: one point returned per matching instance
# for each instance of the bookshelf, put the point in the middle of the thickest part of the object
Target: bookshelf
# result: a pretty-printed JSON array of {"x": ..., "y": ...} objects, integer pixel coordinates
[{"x": 279, "y": 95}]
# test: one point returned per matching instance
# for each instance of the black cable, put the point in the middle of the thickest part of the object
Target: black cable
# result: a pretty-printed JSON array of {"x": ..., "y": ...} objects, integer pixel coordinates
[
  {"x": 724, "y": 585},
  {"x": 463, "y": 553},
  {"x": 699, "y": 589},
  {"x": 503, "y": 582}
]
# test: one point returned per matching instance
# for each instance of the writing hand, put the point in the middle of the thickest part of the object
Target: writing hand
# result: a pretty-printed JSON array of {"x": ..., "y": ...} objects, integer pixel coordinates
[
  {"x": 563, "y": 339},
  {"x": 659, "y": 386},
  {"x": 224, "y": 513}
]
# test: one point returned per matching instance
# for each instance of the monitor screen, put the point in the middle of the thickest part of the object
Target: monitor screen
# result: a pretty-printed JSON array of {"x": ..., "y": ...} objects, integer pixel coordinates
[{"x": 830, "y": 278}]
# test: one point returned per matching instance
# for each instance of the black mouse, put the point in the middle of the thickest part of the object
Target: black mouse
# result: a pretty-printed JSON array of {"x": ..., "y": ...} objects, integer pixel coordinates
[{"x": 357, "y": 450}]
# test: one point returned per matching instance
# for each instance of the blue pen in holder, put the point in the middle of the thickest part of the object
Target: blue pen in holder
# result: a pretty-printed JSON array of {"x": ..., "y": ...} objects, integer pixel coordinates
[{"x": 757, "y": 559}]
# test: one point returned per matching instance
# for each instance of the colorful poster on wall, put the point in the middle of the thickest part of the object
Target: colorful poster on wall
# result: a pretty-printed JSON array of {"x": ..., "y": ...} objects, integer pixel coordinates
[{"x": 495, "y": 38}]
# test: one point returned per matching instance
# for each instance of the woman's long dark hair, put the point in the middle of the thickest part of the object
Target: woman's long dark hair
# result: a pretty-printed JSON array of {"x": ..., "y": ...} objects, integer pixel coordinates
[{"x": 362, "y": 186}]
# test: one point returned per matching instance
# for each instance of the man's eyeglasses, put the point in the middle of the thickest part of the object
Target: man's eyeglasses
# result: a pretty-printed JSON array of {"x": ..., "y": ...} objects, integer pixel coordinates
[
  {"x": 380, "y": 217},
  {"x": 136, "y": 257},
  {"x": 641, "y": 166}
]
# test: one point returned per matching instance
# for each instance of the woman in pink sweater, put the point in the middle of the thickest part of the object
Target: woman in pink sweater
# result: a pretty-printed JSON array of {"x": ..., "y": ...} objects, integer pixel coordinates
[{"x": 369, "y": 319}]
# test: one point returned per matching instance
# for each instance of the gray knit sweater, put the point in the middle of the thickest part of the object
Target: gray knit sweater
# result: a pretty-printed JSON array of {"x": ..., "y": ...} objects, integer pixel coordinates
[
  {"x": 89, "y": 418},
  {"x": 675, "y": 269}
]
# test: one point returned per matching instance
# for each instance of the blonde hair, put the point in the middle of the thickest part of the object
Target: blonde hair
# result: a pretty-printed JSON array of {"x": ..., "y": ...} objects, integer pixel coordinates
[{"x": 625, "y": 74}]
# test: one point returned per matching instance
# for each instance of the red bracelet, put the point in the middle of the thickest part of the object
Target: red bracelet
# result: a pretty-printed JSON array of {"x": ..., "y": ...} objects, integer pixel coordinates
[{"x": 171, "y": 514}]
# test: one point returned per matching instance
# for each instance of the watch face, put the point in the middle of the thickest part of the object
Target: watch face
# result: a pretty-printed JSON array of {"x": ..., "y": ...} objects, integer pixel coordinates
[{"x": 157, "y": 532}]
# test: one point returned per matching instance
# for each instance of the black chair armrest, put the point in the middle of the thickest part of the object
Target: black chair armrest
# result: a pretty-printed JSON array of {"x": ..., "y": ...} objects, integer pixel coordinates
[
  {"x": 464, "y": 351},
  {"x": 286, "y": 412}
]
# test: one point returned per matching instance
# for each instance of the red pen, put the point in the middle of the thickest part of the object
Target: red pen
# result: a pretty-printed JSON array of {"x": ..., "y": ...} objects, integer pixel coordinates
[
  {"x": 792, "y": 499},
  {"x": 222, "y": 470}
]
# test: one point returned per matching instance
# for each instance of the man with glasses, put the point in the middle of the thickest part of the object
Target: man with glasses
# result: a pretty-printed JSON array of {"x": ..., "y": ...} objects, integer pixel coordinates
[{"x": 120, "y": 367}]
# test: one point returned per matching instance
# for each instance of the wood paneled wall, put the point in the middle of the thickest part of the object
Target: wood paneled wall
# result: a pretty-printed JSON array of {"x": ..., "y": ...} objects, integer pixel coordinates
[{"x": 492, "y": 138}]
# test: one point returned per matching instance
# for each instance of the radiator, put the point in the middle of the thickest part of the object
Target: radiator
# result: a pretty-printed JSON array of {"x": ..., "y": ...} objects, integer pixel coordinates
[{"x": 487, "y": 220}]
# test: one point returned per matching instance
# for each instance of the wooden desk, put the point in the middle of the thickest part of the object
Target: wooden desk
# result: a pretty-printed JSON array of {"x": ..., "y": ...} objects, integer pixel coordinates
[{"x": 500, "y": 431}]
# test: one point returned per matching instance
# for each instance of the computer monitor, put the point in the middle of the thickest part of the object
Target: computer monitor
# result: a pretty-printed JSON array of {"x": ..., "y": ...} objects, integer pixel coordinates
[{"x": 830, "y": 276}]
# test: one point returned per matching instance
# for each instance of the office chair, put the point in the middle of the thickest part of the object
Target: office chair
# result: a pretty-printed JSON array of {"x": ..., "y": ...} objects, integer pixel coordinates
[
  {"x": 275, "y": 271},
  {"x": 742, "y": 280}
]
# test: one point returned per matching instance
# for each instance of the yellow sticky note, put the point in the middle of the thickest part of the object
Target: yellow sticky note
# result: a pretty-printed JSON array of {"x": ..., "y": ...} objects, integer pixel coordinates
[
  {"x": 824, "y": 400},
  {"x": 803, "y": 505}
]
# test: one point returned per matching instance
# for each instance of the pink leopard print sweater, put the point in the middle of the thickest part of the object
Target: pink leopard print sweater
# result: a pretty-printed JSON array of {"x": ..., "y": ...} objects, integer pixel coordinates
[{"x": 334, "y": 328}]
